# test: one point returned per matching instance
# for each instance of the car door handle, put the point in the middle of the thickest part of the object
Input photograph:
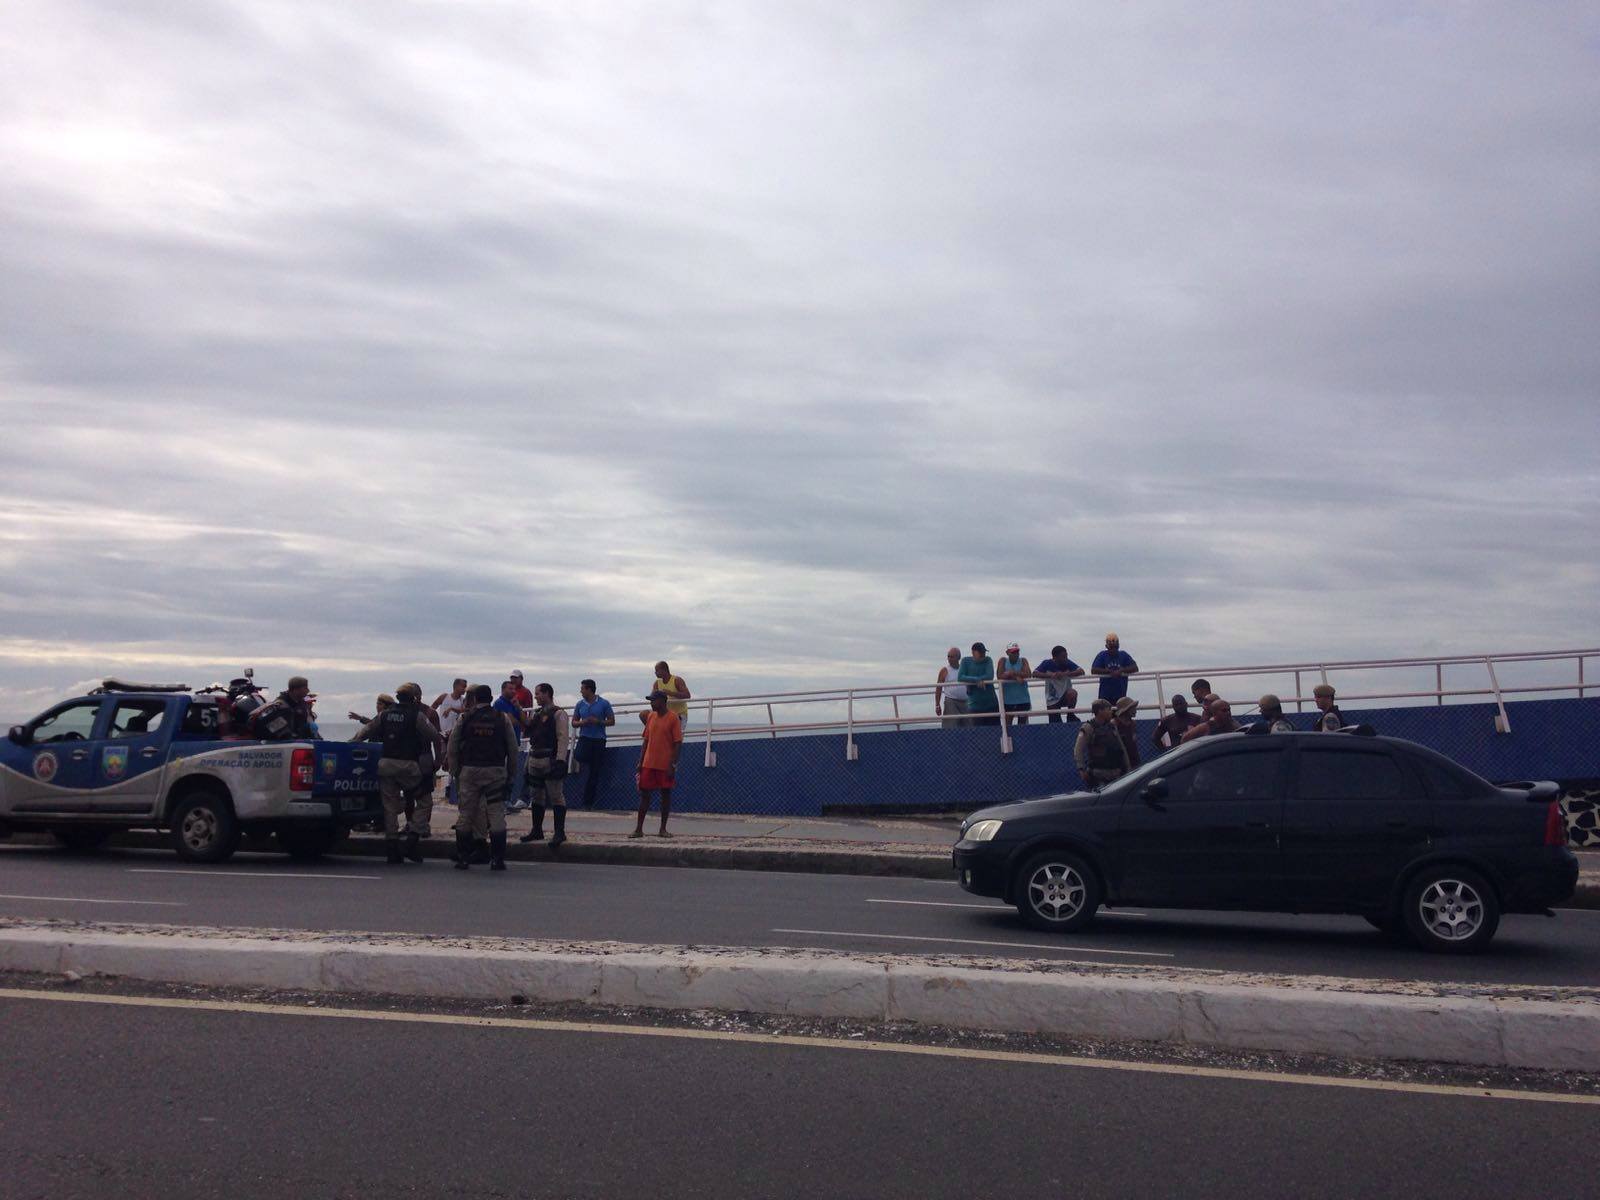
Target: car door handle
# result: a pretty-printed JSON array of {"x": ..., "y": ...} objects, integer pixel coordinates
[
  {"x": 78, "y": 755},
  {"x": 1397, "y": 824},
  {"x": 1258, "y": 824},
  {"x": 148, "y": 752}
]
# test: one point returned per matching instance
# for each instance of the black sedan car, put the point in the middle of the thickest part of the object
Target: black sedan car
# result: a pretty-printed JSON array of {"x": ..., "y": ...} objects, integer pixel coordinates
[{"x": 1300, "y": 823}]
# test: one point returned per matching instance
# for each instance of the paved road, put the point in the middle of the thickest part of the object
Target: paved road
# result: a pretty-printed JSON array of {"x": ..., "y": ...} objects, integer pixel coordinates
[
  {"x": 744, "y": 908},
  {"x": 99, "y": 1100}
]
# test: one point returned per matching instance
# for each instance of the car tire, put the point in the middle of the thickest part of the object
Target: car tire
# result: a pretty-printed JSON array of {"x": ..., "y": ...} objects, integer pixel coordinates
[
  {"x": 204, "y": 829},
  {"x": 81, "y": 838},
  {"x": 1057, "y": 891},
  {"x": 1450, "y": 910},
  {"x": 307, "y": 845}
]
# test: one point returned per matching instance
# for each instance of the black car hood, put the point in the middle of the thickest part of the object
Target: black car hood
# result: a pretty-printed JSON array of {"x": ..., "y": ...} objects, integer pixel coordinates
[{"x": 1043, "y": 806}]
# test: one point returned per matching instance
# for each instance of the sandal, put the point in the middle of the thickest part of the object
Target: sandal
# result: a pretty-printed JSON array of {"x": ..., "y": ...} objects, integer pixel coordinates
[
  {"x": 664, "y": 834},
  {"x": 637, "y": 833}
]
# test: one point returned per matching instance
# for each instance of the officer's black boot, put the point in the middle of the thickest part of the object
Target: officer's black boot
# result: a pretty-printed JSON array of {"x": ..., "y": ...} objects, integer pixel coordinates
[
  {"x": 560, "y": 814},
  {"x": 536, "y": 834},
  {"x": 463, "y": 850},
  {"x": 392, "y": 845},
  {"x": 411, "y": 851},
  {"x": 497, "y": 851}
]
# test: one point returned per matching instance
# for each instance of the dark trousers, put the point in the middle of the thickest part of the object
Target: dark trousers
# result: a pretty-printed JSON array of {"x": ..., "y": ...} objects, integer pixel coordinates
[
  {"x": 1055, "y": 707},
  {"x": 591, "y": 752}
]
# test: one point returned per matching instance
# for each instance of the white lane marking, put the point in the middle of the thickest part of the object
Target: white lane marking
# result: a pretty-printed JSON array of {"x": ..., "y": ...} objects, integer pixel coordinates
[
  {"x": 985, "y": 907},
  {"x": 809, "y": 1043},
  {"x": 243, "y": 874},
  {"x": 88, "y": 900},
  {"x": 906, "y": 937}
]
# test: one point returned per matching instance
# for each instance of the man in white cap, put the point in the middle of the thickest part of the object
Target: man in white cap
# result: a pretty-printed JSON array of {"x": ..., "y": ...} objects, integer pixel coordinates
[
  {"x": 1012, "y": 669},
  {"x": 522, "y": 696}
]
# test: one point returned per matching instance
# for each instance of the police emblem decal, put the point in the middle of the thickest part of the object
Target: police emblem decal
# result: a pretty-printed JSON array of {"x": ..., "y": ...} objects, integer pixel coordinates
[
  {"x": 44, "y": 767},
  {"x": 330, "y": 764},
  {"x": 114, "y": 762}
]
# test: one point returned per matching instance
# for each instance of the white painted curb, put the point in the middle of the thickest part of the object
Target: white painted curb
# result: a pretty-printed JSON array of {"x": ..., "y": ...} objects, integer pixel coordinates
[{"x": 1479, "y": 1031}]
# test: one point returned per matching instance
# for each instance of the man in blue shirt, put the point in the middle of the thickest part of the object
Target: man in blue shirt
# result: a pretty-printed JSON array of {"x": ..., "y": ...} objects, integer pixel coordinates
[
  {"x": 506, "y": 702},
  {"x": 976, "y": 668},
  {"x": 1058, "y": 671},
  {"x": 1113, "y": 665},
  {"x": 591, "y": 716}
]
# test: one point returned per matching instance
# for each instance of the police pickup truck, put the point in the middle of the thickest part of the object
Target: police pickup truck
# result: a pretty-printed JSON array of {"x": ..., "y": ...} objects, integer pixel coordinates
[{"x": 139, "y": 756}]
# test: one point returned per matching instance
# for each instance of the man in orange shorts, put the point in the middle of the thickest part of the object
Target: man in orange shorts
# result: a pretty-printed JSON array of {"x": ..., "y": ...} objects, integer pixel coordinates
[{"x": 658, "y": 760}]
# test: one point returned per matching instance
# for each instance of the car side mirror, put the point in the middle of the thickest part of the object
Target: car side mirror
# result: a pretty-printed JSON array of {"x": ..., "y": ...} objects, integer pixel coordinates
[
  {"x": 19, "y": 735},
  {"x": 1154, "y": 791}
]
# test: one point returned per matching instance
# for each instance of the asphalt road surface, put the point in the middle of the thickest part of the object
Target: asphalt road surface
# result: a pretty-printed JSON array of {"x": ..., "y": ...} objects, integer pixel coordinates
[
  {"x": 113, "y": 1100},
  {"x": 744, "y": 908}
]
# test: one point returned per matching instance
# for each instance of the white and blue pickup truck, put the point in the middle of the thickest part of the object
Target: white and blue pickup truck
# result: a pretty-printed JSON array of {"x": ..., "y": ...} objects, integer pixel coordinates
[{"x": 153, "y": 757}]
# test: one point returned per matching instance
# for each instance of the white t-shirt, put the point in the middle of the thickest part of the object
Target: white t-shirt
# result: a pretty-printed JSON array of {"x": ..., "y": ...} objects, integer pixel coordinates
[{"x": 449, "y": 711}]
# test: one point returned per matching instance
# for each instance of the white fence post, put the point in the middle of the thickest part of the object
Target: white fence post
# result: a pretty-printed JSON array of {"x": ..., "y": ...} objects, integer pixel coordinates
[
  {"x": 1299, "y": 704},
  {"x": 896, "y": 699},
  {"x": 850, "y": 754},
  {"x": 1161, "y": 697},
  {"x": 1005, "y": 717},
  {"x": 772, "y": 721},
  {"x": 1438, "y": 681},
  {"x": 1502, "y": 723},
  {"x": 711, "y": 722}
]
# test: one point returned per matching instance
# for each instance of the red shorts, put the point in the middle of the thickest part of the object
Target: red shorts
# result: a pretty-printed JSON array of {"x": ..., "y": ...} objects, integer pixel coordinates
[{"x": 652, "y": 780}]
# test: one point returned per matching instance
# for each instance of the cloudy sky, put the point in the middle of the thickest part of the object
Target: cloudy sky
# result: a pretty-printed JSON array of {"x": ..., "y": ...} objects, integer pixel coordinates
[{"x": 792, "y": 342}]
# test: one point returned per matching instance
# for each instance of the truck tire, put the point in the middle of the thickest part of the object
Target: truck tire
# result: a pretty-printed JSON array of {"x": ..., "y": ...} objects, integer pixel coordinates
[
  {"x": 81, "y": 838},
  {"x": 204, "y": 828},
  {"x": 306, "y": 845}
]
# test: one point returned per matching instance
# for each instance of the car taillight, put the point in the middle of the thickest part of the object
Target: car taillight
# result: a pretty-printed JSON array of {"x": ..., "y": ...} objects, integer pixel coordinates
[
  {"x": 302, "y": 766},
  {"x": 1555, "y": 829}
]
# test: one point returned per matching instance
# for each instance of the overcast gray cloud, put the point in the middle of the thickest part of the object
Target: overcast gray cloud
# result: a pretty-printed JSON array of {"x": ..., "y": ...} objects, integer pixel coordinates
[{"x": 793, "y": 342}]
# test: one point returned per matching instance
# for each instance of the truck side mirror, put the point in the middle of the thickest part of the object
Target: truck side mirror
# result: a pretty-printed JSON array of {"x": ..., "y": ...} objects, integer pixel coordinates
[{"x": 19, "y": 735}]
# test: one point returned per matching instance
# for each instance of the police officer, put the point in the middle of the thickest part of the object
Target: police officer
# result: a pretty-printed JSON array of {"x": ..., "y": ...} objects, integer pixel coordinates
[
  {"x": 1329, "y": 718},
  {"x": 1272, "y": 713},
  {"x": 482, "y": 761},
  {"x": 549, "y": 731},
  {"x": 1099, "y": 753},
  {"x": 287, "y": 718},
  {"x": 408, "y": 736}
]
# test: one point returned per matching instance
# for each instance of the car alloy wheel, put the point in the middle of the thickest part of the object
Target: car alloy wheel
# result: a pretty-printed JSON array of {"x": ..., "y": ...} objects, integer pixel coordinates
[
  {"x": 1056, "y": 892},
  {"x": 1451, "y": 909}
]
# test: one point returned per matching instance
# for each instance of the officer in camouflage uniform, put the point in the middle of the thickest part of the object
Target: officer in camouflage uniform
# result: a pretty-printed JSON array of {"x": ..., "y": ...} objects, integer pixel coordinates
[
  {"x": 483, "y": 762},
  {"x": 408, "y": 737}
]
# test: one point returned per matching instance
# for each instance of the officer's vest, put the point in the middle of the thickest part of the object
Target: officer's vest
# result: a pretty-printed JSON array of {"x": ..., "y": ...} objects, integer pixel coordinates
[
  {"x": 1338, "y": 719},
  {"x": 1103, "y": 750},
  {"x": 483, "y": 738},
  {"x": 542, "y": 734},
  {"x": 397, "y": 730}
]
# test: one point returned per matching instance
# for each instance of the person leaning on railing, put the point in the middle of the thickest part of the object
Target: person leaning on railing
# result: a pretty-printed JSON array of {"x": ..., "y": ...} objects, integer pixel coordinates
[
  {"x": 950, "y": 701},
  {"x": 981, "y": 699}
]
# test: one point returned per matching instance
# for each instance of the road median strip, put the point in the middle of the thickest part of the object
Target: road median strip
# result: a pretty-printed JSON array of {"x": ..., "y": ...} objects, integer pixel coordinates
[{"x": 1483, "y": 1026}]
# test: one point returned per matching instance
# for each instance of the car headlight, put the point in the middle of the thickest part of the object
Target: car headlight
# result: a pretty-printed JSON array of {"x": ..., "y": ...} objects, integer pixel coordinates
[{"x": 983, "y": 831}]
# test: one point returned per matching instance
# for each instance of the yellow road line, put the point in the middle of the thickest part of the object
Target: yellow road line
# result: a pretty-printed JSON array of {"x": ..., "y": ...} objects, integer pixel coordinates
[{"x": 781, "y": 1039}]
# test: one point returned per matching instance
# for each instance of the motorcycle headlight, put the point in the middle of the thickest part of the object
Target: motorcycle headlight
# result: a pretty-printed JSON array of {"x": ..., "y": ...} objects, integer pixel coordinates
[{"x": 983, "y": 831}]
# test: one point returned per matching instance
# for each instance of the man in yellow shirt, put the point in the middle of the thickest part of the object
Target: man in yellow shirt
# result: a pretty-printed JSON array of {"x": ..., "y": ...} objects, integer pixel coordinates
[
  {"x": 658, "y": 760},
  {"x": 677, "y": 693}
]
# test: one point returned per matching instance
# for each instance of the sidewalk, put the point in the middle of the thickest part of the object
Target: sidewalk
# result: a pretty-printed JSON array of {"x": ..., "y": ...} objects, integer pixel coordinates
[{"x": 834, "y": 846}]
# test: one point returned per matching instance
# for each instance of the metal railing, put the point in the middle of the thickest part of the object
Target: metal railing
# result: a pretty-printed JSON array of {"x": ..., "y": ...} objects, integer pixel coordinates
[{"x": 849, "y": 702}]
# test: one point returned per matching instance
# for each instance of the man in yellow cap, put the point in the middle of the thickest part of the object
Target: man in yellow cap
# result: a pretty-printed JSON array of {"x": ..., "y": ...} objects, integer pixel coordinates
[{"x": 1113, "y": 665}]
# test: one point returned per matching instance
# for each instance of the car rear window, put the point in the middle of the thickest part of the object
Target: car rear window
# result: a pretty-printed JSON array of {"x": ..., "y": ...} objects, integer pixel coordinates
[
  {"x": 1342, "y": 774},
  {"x": 1445, "y": 781}
]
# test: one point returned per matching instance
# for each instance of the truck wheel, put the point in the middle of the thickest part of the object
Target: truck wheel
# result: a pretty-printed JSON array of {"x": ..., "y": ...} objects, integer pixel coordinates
[
  {"x": 204, "y": 828},
  {"x": 1451, "y": 910},
  {"x": 304, "y": 845},
  {"x": 79, "y": 838}
]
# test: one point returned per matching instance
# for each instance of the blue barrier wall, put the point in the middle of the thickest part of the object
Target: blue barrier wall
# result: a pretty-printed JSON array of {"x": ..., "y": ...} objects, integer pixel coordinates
[{"x": 963, "y": 767}]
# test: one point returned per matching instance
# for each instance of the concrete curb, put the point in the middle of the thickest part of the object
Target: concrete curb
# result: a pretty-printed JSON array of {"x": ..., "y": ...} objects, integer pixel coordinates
[
  {"x": 679, "y": 852},
  {"x": 1228, "y": 1012}
]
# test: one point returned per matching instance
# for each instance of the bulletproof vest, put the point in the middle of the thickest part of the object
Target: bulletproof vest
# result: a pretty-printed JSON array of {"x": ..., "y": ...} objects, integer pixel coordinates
[
  {"x": 1104, "y": 747},
  {"x": 542, "y": 734},
  {"x": 483, "y": 738},
  {"x": 397, "y": 730},
  {"x": 1338, "y": 718}
]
